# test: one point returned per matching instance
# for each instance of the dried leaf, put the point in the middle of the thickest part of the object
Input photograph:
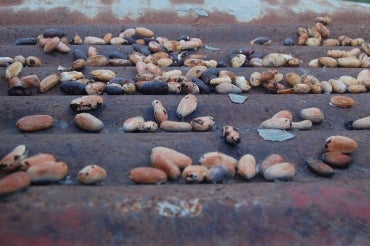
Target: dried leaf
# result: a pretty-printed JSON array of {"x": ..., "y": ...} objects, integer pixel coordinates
[
  {"x": 275, "y": 135},
  {"x": 235, "y": 98}
]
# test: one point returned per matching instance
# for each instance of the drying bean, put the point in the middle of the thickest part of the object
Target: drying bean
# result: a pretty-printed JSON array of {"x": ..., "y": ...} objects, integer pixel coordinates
[
  {"x": 326, "y": 86},
  {"x": 338, "y": 86},
  {"x": 194, "y": 173},
  {"x": 212, "y": 159},
  {"x": 269, "y": 161},
  {"x": 103, "y": 74},
  {"x": 13, "y": 70},
  {"x": 359, "y": 124},
  {"x": 71, "y": 75},
  {"x": 63, "y": 48},
  {"x": 53, "y": 32},
  {"x": 85, "y": 103},
  {"x": 301, "y": 88},
  {"x": 301, "y": 125},
  {"x": 288, "y": 42},
  {"x": 275, "y": 60},
  {"x": 340, "y": 144},
  {"x": 247, "y": 167},
  {"x": 91, "y": 174},
  {"x": 349, "y": 62},
  {"x": 342, "y": 101},
  {"x": 6, "y": 61},
  {"x": 133, "y": 124},
  {"x": 19, "y": 91},
  {"x": 328, "y": 61},
  {"x": 33, "y": 61},
  {"x": 96, "y": 88},
  {"x": 88, "y": 122},
  {"x": 313, "y": 114},
  {"x": 319, "y": 167},
  {"x": 93, "y": 40},
  {"x": 78, "y": 54},
  {"x": 366, "y": 48},
  {"x": 162, "y": 162},
  {"x": 48, "y": 82},
  {"x": 148, "y": 126},
  {"x": 13, "y": 159},
  {"x": 330, "y": 42},
  {"x": 186, "y": 106},
  {"x": 73, "y": 88},
  {"x": 261, "y": 41},
  {"x": 35, "y": 160},
  {"x": 154, "y": 87},
  {"x": 33, "y": 123},
  {"x": 78, "y": 64},
  {"x": 148, "y": 175},
  {"x": 14, "y": 182},
  {"x": 203, "y": 88},
  {"x": 280, "y": 171},
  {"x": 175, "y": 126},
  {"x": 31, "y": 81},
  {"x": 113, "y": 89},
  {"x": 226, "y": 88},
  {"x": 76, "y": 39},
  {"x": 203, "y": 123},
  {"x": 238, "y": 60},
  {"x": 144, "y": 32},
  {"x": 357, "y": 89},
  {"x": 50, "y": 44},
  {"x": 276, "y": 123},
  {"x": 26, "y": 41},
  {"x": 97, "y": 61},
  {"x": 48, "y": 171},
  {"x": 324, "y": 20},
  {"x": 143, "y": 49},
  {"x": 337, "y": 159},
  {"x": 231, "y": 135},
  {"x": 181, "y": 160},
  {"x": 160, "y": 112},
  {"x": 283, "y": 114}
]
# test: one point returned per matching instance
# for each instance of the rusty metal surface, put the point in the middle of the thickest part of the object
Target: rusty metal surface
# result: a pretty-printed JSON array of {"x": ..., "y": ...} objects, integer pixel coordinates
[{"x": 305, "y": 211}]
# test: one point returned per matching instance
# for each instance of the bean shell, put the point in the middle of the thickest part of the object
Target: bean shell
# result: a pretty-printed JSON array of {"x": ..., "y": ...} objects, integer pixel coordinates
[
  {"x": 85, "y": 103},
  {"x": 342, "y": 101},
  {"x": 186, "y": 106},
  {"x": 336, "y": 159},
  {"x": 160, "y": 112},
  {"x": 194, "y": 173},
  {"x": 269, "y": 161},
  {"x": 202, "y": 123},
  {"x": 33, "y": 123},
  {"x": 280, "y": 171},
  {"x": 340, "y": 144},
  {"x": 313, "y": 114},
  {"x": 48, "y": 171},
  {"x": 247, "y": 167},
  {"x": 91, "y": 174},
  {"x": 319, "y": 167},
  {"x": 231, "y": 135},
  {"x": 219, "y": 174},
  {"x": 35, "y": 160},
  {"x": 148, "y": 175},
  {"x": 175, "y": 126},
  {"x": 162, "y": 162},
  {"x": 33, "y": 61},
  {"x": 13, "y": 70},
  {"x": 88, "y": 122},
  {"x": 148, "y": 126},
  {"x": 212, "y": 159},
  {"x": 276, "y": 123},
  {"x": 181, "y": 160},
  {"x": 13, "y": 159}
]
